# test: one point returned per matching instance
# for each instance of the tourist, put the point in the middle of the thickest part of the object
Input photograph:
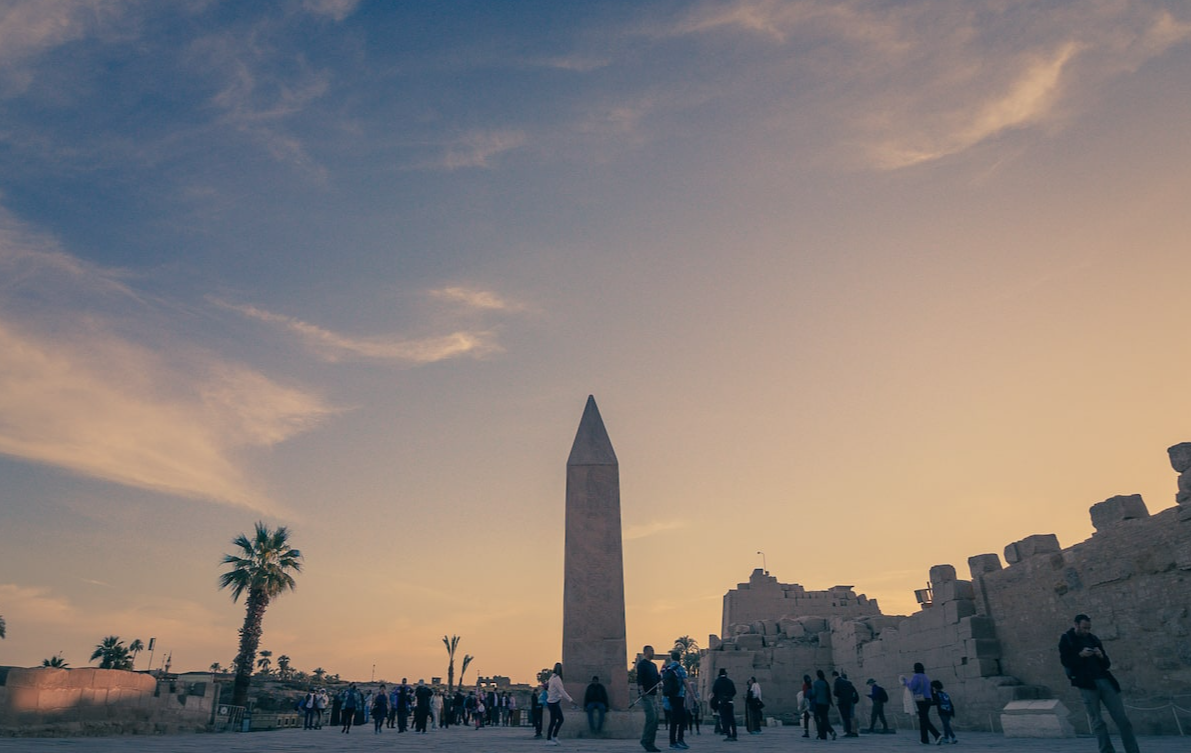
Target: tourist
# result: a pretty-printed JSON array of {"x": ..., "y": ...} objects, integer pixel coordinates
[
  {"x": 723, "y": 695},
  {"x": 595, "y": 702},
  {"x": 351, "y": 699},
  {"x": 537, "y": 704},
  {"x": 394, "y": 699},
  {"x": 1086, "y": 664},
  {"x": 404, "y": 701},
  {"x": 805, "y": 706},
  {"x": 846, "y": 699},
  {"x": 946, "y": 711},
  {"x": 421, "y": 706},
  {"x": 648, "y": 681},
  {"x": 879, "y": 697},
  {"x": 694, "y": 713},
  {"x": 459, "y": 707},
  {"x": 555, "y": 692},
  {"x": 435, "y": 709},
  {"x": 337, "y": 710},
  {"x": 366, "y": 707},
  {"x": 674, "y": 692},
  {"x": 308, "y": 704},
  {"x": 320, "y": 706},
  {"x": 380, "y": 710},
  {"x": 752, "y": 706},
  {"x": 821, "y": 703},
  {"x": 514, "y": 720},
  {"x": 919, "y": 687}
]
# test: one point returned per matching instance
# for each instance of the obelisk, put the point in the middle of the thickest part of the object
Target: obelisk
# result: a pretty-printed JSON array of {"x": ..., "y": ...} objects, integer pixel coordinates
[{"x": 593, "y": 636}]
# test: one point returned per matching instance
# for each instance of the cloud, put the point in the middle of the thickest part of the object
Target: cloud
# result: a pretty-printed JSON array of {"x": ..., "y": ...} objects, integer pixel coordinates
[
  {"x": 29, "y": 28},
  {"x": 335, "y": 347},
  {"x": 138, "y": 409},
  {"x": 336, "y": 9},
  {"x": 476, "y": 299},
  {"x": 34, "y": 606},
  {"x": 645, "y": 530},
  {"x": 477, "y": 148}
]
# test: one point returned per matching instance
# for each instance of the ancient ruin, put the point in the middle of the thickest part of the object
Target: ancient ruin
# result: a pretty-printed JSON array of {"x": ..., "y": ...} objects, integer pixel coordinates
[{"x": 992, "y": 638}]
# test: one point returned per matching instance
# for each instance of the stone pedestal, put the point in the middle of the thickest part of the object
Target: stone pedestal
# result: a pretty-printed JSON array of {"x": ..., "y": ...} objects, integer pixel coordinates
[
  {"x": 1045, "y": 718},
  {"x": 618, "y": 725}
]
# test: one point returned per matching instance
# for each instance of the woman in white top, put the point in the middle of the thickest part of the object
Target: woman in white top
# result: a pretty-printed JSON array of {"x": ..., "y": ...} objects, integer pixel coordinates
[{"x": 555, "y": 692}]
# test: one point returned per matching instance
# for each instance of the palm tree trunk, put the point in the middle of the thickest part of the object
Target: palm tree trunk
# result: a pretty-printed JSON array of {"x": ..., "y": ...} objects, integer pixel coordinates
[{"x": 250, "y": 640}]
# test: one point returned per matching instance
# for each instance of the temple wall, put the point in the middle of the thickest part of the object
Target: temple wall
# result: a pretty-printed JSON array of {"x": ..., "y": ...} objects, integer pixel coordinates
[
  {"x": 994, "y": 639},
  {"x": 48, "y": 701}
]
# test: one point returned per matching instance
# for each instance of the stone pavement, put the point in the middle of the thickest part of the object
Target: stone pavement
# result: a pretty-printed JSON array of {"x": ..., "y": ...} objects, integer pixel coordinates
[{"x": 518, "y": 740}]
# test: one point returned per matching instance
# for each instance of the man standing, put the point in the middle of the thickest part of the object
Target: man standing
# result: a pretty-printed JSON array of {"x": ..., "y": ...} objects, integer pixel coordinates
[
  {"x": 595, "y": 701},
  {"x": 404, "y": 699},
  {"x": 674, "y": 690},
  {"x": 421, "y": 706},
  {"x": 879, "y": 697},
  {"x": 845, "y": 700},
  {"x": 648, "y": 681},
  {"x": 1083, "y": 658},
  {"x": 723, "y": 695}
]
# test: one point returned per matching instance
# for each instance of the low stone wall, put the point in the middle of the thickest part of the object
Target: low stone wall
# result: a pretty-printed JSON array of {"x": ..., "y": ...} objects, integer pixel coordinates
[{"x": 54, "y": 702}]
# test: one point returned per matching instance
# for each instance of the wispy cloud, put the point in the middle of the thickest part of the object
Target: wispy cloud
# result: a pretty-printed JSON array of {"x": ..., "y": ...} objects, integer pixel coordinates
[
  {"x": 29, "y": 28},
  {"x": 333, "y": 346},
  {"x": 478, "y": 148},
  {"x": 78, "y": 394},
  {"x": 476, "y": 299},
  {"x": 335, "y": 9},
  {"x": 645, "y": 530}
]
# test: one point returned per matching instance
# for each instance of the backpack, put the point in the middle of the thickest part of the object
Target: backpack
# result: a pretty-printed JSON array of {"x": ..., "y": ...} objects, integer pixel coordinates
[
  {"x": 882, "y": 696},
  {"x": 670, "y": 682},
  {"x": 944, "y": 702}
]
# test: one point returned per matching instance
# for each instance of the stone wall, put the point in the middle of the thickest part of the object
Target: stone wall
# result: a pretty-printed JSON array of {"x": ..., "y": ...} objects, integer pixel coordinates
[
  {"x": 762, "y": 597},
  {"x": 47, "y": 701},
  {"x": 993, "y": 639}
]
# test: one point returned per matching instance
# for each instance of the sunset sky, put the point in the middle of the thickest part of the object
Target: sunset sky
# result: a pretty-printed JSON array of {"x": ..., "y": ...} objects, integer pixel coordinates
[{"x": 865, "y": 286}]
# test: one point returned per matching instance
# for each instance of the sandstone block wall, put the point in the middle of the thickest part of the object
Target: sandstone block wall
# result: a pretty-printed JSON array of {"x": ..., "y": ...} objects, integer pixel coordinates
[{"x": 993, "y": 639}]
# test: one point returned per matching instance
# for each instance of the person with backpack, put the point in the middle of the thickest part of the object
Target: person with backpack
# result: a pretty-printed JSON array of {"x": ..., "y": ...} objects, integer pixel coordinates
[
  {"x": 946, "y": 711},
  {"x": 674, "y": 691},
  {"x": 919, "y": 687},
  {"x": 648, "y": 681},
  {"x": 879, "y": 697},
  {"x": 723, "y": 695},
  {"x": 821, "y": 704},
  {"x": 846, "y": 699},
  {"x": 351, "y": 699}
]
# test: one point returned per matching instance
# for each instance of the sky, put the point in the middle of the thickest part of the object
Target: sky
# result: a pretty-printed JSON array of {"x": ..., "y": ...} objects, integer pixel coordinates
[{"x": 859, "y": 288}]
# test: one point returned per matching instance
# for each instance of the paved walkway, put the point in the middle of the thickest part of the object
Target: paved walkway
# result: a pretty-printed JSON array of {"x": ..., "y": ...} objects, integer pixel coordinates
[{"x": 518, "y": 740}]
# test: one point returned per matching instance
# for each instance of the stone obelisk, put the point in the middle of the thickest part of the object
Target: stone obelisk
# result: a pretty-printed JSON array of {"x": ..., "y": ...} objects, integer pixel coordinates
[{"x": 593, "y": 635}]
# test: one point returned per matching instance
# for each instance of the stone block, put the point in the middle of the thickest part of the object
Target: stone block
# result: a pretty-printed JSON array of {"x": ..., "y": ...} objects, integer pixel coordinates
[
  {"x": 982, "y": 648},
  {"x": 750, "y": 642},
  {"x": 1030, "y": 546},
  {"x": 1046, "y": 718},
  {"x": 1180, "y": 457},
  {"x": 983, "y": 563},
  {"x": 1116, "y": 509},
  {"x": 957, "y": 610},
  {"x": 813, "y": 625},
  {"x": 977, "y": 626},
  {"x": 953, "y": 590},
  {"x": 941, "y": 574}
]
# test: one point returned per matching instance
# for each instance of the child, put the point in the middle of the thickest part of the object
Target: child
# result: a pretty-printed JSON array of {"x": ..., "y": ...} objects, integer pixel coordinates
[{"x": 946, "y": 711}]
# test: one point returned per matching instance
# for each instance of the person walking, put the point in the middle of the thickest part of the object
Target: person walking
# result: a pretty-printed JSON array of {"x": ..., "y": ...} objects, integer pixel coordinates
[
  {"x": 946, "y": 709},
  {"x": 380, "y": 710},
  {"x": 805, "y": 707},
  {"x": 674, "y": 691},
  {"x": 846, "y": 698},
  {"x": 555, "y": 692},
  {"x": 879, "y": 697},
  {"x": 919, "y": 686},
  {"x": 648, "y": 681},
  {"x": 537, "y": 700},
  {"x": 1084, "y": 660},
  {"x": 723, "y": 697},
  {"x": 821, "y": 703},
  {"x": 752, "y": 706},
  {"x": 351, "y": 698}
]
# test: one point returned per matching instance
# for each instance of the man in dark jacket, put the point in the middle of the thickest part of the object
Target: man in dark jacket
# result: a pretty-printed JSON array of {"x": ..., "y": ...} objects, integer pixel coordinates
[
  {"x": 845, "y": 700},
  {"x": 648, "y": 681},
  {"x": 1083, "y": 658},
  {"x": 595, "y": 700},
  {"x": 723, "y": 692}
]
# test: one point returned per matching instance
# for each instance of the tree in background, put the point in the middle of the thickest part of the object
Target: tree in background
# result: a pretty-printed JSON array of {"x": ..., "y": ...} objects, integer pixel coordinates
[
  {"x": 55, "y": 661},
  {"x": 3, "y": 628},
  {"x": 135, "y": 648},
  {"x": 283, "y": 668},
  {"x": 265, "y": 662},
  {"x": 466, "y": 660},
  {"x": 112, "y": 654},
  {"x": 261, "y": 568},
  {"x": 451, "y": 643},
  {"x": 690, "y": 653},
  {"x": 319, "y": 673}
]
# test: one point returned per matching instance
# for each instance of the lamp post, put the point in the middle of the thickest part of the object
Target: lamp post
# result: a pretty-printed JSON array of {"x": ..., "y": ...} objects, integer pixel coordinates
[{"x": 764, "y": 566}]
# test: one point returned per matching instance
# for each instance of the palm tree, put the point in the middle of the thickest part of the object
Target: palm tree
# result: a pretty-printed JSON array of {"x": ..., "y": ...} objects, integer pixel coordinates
[
  {"x": 262, "y": 568},
  {"x": 55, "y": 661},
  {"x": 216, "y": 668},
  {"x": 3, "y": 629},
  {"x": 135, "y": 648},
  {"x": 112, "y": 654},
  {"x": 264, "y": 662},
  {"x": 451, "y": 643},
  {"x": 283, "y": 668},
  {"x": 466, "y": 660},
  {"x": 318, "y": 673},
  {"x": 690, "y": 653}
]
